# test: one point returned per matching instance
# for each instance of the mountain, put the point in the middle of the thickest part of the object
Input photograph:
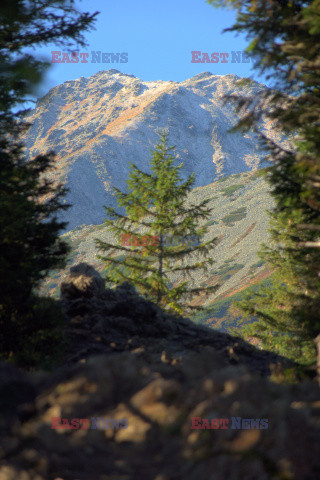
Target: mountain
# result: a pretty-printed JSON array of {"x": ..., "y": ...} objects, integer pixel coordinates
[
  {"x": 98, "y": 125},
  {"x": 240, "y": 221}
]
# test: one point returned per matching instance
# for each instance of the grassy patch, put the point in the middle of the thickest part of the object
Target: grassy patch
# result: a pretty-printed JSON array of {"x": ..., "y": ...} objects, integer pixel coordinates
[
  {"x": 253, "y": 269},
  {"x": 210, "y": 222},
  {"x": 100, "y": 227},
  {"x": 229, "y": 266},
  {"x": 223, "y": 309},
  {"x": 235, "y": 216},
  {"x": 223, "y": 179},
  {"x": 218, "y": 310},
  {"x": 228, "y": 191},
  {"x": 236, "y": 175},
  {"x": 226, "y": 271},
  {"x": 258, "y": 264},
  {"x": 259, "y": 173}
]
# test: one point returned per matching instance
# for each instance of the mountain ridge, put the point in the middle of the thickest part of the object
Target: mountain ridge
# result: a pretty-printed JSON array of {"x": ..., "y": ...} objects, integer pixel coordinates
[{"x": 97, "y": 125}]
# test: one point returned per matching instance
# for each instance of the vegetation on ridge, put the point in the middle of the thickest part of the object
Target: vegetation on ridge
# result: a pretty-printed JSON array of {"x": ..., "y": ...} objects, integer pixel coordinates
[{"x": 288, "y": 311}]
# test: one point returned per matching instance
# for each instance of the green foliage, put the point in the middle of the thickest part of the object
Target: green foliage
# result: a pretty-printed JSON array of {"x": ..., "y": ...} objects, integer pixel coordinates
[
  {"x": 259, "y": 173},
  {"x": 278, "y": 328},
  {"x": 222, "y": 179},
  {"x": 211, "y": 222},
  {"x": 29, "y": 242},
  {"x": 258, "y": 264},
  {"x": 226, "y": 271},
  {"x": 36, "y": 339},
  {"x": 225, "y": 307},
  {"x": 155, "y": 202},
  {"x": 29, "y": 203},
  {"x": 228, "y": 191},
  {"x": 29, "y": 246},
  {"x": 32, "y": 24},
  {"x": 235, "y": 216},
  {"x": 285, "y": 39},
  {"x": 291, "y": 375}
]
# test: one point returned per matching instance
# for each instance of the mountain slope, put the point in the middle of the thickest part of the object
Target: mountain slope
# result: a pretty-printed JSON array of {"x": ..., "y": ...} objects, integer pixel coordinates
[
  {"x": 239, "y": 219},
  {"x": 97, "y": 125}
]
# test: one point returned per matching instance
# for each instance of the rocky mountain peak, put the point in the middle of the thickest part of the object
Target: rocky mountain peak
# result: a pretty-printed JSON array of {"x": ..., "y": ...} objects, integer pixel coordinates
[{"x": 97, "y": 125}]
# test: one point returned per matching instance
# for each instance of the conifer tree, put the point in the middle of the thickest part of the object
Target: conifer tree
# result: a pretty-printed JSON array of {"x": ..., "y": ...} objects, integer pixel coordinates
[
  {"x": 29, "y": 245},
  {"x": 156, "y": 204},
  {"x": 285, "y": 43},
  {"x": 30, "y": 331}
]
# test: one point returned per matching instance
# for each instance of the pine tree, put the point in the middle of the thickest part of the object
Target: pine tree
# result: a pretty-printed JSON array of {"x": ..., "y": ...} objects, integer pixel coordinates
[
  {"x": 288, "y": 312},
  {"x": 29, "y": 245},
  {"x": 156, "y": 203},
  {"x": 29, "y": 203},
  {"x": 285, "y": 41}
]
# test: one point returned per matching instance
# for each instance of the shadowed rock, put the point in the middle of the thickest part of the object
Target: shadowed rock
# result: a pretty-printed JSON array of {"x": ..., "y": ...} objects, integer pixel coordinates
[
  {"x": 157, "y": 372},
  {"x": 82, "y": 281}
]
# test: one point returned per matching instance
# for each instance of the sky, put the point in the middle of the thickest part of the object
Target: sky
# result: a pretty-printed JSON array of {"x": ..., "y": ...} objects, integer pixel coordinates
[{"x": 156, "y": 38}]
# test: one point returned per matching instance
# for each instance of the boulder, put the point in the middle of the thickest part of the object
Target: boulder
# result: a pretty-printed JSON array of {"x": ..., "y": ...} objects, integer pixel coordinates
[{"x": 82, "y": 281}]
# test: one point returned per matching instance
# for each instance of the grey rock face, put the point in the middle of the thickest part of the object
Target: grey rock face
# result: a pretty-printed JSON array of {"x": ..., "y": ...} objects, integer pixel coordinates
[{"x": 97, "y": 125}]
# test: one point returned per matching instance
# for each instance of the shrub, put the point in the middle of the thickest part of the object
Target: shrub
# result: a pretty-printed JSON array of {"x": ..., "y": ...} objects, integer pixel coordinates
[{"x": 38, "y": 337}]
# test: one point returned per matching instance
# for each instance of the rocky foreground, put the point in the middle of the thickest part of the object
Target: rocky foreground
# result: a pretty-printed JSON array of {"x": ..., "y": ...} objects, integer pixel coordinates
[{"x": 137, "y": 380}]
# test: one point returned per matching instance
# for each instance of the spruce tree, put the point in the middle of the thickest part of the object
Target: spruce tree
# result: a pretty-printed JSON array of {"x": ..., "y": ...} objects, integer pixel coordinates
[
  {"x": 156, "y": 203},
  {"x": 30, "y": 326},
  {"x": 285, "y": 43},
  {"x": 29, "y": 245}
]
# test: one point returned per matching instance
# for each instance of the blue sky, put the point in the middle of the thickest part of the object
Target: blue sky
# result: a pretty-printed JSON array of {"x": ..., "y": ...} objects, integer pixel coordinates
[{"x": 158, "y": 38}]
